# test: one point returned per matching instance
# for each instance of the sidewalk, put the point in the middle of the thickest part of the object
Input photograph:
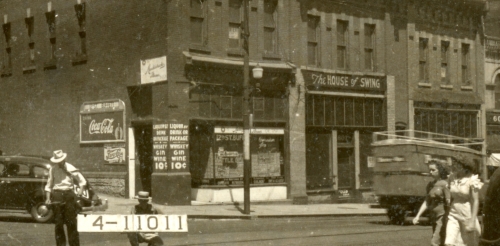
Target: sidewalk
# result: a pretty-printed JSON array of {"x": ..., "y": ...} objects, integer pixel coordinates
[{"x": 118, "y": 205}]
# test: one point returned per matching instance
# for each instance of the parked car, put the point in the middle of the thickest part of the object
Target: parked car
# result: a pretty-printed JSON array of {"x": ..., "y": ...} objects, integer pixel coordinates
[{"x": 22, "y": 183}]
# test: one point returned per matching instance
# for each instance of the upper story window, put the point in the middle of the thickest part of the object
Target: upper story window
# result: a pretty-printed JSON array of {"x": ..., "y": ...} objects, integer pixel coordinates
[
  {"x": 423, "y": 57},
  {"x": 445, "y": 46},
  {"x": 465, "y": 65},
  {"x": 369, "y": 47},
  {"x": 235, "y": 14},
  {"x": 342, "y": 27},
  {"x": 197, "y": 18},
  {"x": 312, "y": 40},
  {"x": 270, "y": 26}
]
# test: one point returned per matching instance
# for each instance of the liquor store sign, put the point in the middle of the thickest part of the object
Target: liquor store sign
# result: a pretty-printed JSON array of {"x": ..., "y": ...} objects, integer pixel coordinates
[
  {"x": 102, "y": 122},
  {"x": 344, "y": 81},
  {"x": 171, "y": 147}
]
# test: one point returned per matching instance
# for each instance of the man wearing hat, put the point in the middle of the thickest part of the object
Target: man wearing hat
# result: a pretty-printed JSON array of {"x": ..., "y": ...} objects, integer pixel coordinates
[
  {"x": 152, "y": 238},
  {"x": 59, "y": 192}
]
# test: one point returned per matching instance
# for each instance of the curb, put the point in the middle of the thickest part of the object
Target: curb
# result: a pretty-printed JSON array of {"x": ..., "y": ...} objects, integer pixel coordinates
[{"x": 252, "y": 217}]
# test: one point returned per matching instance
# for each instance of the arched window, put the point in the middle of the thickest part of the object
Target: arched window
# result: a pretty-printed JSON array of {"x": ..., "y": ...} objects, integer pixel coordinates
[{"x": 497, "y": 91}]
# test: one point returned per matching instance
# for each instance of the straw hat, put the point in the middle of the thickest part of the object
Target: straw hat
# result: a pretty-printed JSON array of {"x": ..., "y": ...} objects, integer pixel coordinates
[
  {"x": 142, "y": 195},
  {"x": 58, "y": 156}
]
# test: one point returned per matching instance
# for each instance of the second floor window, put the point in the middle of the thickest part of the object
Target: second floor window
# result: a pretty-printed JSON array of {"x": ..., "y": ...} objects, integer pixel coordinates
[
  {"x": 235, "y": 14},
  {"x": 270, "y": 32},
  {"x": 197, "y": 20},
  {"x": 465, "y": 65},
  {"x": 422, "y": 57},
  {"x": 342, "y": 44},
  {"x": 369, "y": 47},
  {"x": 312, "y": 39},
  {"x": 445, "y": 45}
]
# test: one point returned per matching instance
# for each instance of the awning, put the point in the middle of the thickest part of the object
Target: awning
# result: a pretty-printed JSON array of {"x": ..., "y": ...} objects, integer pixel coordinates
[
  {"x": 494, "y": 160},
  {"x": 280, "y": 65}
]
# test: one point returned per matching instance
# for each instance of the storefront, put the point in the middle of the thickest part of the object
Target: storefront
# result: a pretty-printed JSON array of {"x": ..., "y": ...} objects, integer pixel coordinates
[
  {"x": 216, "y": 131},
  {"x": 342, "y": 111}
]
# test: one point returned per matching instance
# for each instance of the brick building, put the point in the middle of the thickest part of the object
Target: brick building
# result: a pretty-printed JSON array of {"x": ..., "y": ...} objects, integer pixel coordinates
[
  {"x": 492, "y": 83},
  {"x": 148, "y": 94}
]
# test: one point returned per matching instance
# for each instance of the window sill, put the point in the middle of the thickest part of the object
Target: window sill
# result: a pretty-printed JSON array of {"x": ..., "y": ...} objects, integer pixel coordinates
[
  {"x": 29, "y": 69},
  {"x": 6, "y": 72},
  {"x": 199, "y": 48},
  {"x": 425, "y": 85},
  {"x": 466, "y": 88},
  {"x": 447, "y": 87},
  {"x": 235, "y": 52}
]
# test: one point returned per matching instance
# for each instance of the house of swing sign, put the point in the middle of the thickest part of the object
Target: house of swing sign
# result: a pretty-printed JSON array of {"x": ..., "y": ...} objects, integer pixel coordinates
[{"x": 102, "y": 121}]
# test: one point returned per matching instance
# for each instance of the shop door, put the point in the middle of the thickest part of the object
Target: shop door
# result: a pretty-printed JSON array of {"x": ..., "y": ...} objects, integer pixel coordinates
[
  {"x": 144, "y": 156},
  {"x": 345, "y": 168},
  {"x": 318, "y": 164}
]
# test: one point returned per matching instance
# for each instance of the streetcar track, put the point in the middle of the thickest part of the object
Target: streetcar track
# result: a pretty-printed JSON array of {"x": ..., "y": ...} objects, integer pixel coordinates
[{"x": 296, "y": 237}]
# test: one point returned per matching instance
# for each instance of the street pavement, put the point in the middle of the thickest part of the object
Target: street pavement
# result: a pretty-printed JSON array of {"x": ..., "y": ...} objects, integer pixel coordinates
[{"x": 117, "y": 205}]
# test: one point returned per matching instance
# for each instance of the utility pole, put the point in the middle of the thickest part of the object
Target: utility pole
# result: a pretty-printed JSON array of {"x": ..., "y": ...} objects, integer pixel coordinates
[{"x": 247, "y": 112}]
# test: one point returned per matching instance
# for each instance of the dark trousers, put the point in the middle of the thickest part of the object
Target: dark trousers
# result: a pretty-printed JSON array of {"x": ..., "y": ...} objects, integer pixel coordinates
[{"x": 65, "y": 212}]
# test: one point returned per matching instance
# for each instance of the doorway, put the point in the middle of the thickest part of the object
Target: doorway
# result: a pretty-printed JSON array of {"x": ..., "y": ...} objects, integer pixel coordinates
[
  {"x": 143, "y": 135},
  {"x": 345, "y": 165}
]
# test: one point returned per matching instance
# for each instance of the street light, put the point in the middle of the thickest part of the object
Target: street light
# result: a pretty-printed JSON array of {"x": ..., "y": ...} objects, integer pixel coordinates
[{"x": 247, "y": 110}]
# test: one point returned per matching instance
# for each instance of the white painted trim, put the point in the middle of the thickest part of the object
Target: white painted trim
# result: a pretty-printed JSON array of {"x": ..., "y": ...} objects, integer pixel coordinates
[
  {"x": 356, "y": 160},
  {"x": 335, "y": 158},
  {"x": 131, "y": 162},
  {"x": 334, "y": 93}
]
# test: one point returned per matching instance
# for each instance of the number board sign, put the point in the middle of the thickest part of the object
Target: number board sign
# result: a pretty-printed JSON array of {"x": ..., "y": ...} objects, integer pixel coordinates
[
  {"x": 132, "y": 223},
  {"x": 493, "y": 118}
]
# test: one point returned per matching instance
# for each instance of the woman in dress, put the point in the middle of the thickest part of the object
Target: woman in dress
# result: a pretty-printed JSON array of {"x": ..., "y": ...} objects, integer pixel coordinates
[
  {"x": 463, "y": 226},
  {"x": 436, "y": 202}
]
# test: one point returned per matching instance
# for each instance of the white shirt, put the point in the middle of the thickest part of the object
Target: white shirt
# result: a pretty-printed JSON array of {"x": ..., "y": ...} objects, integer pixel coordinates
[{"x": 60, "y": 180}]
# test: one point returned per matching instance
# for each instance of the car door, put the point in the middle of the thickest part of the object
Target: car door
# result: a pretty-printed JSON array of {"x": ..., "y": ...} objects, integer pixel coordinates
[{"x": 17, "y": 186}]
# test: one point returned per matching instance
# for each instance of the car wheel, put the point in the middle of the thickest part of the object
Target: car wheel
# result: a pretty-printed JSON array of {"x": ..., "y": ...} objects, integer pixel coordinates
[{"x": 41, "y": 212}]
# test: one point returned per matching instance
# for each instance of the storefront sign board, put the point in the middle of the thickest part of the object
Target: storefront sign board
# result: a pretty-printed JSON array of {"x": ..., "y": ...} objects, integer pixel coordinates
[
  {"x": 493, "y": 118},
  {"x": 154, "y": 70},
  {"x": 102, "y": 122},
  {"x": 344, "y": 81},
  {"x": 171, "y": 147}
]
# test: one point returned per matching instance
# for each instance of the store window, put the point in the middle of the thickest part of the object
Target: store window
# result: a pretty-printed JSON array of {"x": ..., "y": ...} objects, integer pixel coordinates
[
  {"x": 226, "y": 103},
  {"x": 497, "y": 91},
  {"x": 461, "y": 123},
  {"x": 220, "y": 161},
  {"x": 344, "y": 111}
]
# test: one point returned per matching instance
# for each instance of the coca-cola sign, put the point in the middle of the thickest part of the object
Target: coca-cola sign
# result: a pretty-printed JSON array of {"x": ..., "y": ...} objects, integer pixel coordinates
[{"x": 102, "y": 122}]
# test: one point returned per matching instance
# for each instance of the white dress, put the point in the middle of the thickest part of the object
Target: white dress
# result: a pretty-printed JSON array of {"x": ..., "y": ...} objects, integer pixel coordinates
[{"x": 461, "y": 212}]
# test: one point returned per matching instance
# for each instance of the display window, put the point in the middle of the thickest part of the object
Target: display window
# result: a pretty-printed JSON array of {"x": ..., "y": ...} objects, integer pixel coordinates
[{"x": 223, "y": 164}]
